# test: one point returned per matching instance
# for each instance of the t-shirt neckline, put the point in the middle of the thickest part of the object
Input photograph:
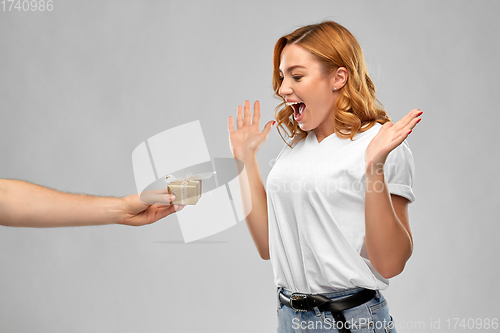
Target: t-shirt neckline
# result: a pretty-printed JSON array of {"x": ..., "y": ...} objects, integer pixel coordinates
[{"x": 314, "y": 138}]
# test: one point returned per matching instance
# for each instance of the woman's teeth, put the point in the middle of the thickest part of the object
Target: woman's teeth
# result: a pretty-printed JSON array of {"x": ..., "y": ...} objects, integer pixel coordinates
[{"x": 298, "y": 108}]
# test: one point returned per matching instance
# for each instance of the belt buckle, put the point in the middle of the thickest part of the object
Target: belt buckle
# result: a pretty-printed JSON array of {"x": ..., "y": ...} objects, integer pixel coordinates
[{"x": 296, "y": 296}]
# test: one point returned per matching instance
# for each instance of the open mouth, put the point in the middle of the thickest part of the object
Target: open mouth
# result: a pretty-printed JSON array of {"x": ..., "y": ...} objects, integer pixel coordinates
[{"x": 298, "y": 108}]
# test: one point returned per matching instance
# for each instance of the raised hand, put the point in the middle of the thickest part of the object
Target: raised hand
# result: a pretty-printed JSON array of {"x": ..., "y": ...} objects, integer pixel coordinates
[
  {"x": 389, "y": 137},
  {"x": 247, "y": 139}
]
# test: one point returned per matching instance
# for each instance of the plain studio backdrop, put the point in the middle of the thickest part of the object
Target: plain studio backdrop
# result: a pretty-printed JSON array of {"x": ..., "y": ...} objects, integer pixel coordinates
[{"x": 83, "y": 85}]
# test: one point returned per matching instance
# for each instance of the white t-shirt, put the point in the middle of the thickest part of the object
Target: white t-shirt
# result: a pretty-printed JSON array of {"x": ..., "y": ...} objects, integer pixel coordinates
[{"x": 315, "y": 198}]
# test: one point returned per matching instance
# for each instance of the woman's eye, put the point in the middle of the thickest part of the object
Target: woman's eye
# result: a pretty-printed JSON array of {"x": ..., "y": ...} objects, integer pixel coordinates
[
  {"x": 297, "y": 77},
  {"x": 281, "y": 78}
]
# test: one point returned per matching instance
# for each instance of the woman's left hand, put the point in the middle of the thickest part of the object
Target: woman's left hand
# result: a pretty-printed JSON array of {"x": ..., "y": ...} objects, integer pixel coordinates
[{"x": 389, "y": 137}]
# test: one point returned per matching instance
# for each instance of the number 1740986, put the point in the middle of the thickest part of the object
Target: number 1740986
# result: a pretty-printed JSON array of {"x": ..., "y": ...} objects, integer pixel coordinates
[{"x": 27, "y": 5}]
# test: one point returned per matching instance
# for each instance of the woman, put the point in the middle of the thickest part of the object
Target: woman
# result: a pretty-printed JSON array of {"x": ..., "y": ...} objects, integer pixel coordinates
[{"x": 334, "y": 220}]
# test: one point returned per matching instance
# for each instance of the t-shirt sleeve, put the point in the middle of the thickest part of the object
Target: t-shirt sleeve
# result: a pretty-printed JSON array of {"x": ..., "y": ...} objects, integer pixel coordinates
[{"x": 399, "y": 170}]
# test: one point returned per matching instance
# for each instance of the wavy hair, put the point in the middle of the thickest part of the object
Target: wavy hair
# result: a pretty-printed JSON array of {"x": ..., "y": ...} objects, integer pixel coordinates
[{"x": 356, "y": 109}]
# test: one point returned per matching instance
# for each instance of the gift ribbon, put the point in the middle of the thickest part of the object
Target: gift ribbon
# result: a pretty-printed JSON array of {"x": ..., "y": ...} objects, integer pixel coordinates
[{"x": 189, "y": 177}]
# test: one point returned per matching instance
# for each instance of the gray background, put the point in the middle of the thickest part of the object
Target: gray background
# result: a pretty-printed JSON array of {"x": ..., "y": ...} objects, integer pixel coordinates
[{"x": 82, "y": 86}]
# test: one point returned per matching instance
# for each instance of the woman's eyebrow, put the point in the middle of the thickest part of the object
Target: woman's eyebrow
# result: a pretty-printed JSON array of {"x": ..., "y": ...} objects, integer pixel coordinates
[{"x": 291, "y": 68}]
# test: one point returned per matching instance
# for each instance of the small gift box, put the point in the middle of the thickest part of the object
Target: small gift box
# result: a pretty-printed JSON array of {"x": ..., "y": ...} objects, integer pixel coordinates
[{"x": 187, "y": 190}]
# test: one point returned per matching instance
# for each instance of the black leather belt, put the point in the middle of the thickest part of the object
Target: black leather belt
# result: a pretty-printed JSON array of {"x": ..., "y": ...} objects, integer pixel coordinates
[{"x": 305, "y": 302}]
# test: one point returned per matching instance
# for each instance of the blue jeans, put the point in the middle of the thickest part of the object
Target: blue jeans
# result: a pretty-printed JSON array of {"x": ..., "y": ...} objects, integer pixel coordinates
[{"x": 370, "y": 317}]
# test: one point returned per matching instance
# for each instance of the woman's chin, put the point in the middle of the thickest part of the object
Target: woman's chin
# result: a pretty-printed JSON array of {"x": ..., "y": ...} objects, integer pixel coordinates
[{"x": 304, "y": 127}]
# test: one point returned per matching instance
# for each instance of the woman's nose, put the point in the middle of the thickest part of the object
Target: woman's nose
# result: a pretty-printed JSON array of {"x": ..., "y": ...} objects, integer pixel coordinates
[{"x": 284, "y": 89}]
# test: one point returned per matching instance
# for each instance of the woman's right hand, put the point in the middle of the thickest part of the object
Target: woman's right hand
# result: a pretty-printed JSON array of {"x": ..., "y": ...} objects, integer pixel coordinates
[{"x": 247, "y": 139}]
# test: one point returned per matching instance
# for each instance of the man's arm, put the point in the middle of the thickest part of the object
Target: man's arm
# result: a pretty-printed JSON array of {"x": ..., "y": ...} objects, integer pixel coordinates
[{"x": 24, "y": 204}]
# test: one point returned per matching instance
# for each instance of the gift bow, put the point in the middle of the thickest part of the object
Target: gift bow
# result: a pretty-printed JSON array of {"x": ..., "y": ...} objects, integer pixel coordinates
[{"x": 189, "y": 177}]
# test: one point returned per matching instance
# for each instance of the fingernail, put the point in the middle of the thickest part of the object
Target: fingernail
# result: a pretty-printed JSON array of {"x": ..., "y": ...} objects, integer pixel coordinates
[
  {"x": 410, "y": 131},
  {"x": 419, "y": 119},
  {"x": 274, "y": 122}
]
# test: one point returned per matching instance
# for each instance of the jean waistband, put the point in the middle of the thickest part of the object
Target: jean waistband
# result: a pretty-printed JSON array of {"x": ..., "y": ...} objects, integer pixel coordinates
[{"x": 331, "y": 295}]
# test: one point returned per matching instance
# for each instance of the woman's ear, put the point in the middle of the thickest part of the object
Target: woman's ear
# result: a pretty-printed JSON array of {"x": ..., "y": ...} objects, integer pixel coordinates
[{"x": 339, "y": 78}]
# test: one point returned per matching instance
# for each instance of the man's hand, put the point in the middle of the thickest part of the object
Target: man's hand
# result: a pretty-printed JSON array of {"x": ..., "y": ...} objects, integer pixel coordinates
[
  {"x": 137, "y": 213},
  {"x": 24, "y": 204}
]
